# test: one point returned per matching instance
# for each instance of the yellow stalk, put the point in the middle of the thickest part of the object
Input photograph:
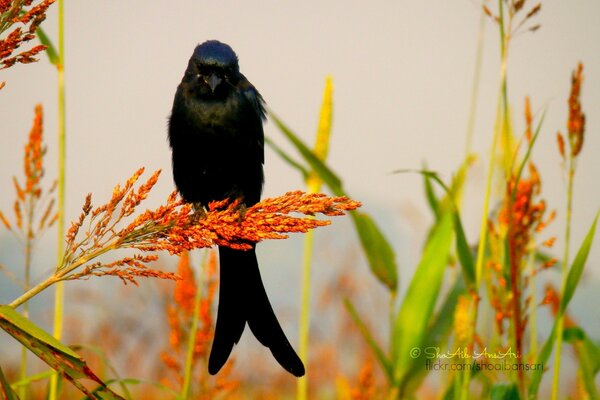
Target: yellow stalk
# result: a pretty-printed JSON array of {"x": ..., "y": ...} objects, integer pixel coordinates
[
  {"x": 313, "y": 184},
  {"x": 59, "y": 294}
]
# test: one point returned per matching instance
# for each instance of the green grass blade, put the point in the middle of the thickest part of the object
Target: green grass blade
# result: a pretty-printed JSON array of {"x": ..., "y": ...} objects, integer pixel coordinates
[
  {"x": 54, "y": 353},
  {"x": 464, "y": 251},
  {"x": 33, "y": 378},
  {"x": 51, "y": 50},
  {"x": 462, "y": 245},
  {"x": 588, "y": 354},
  {"x": 505, "y": 391},
  {"x": 437, "y": 333},
  {"x": 133, "y": 382},
  {"x": 379, "y": 252},
  {"x": 384, "y": 361},
  {"x": 6, "y": 392},
  {"x": 413, "y": 319},
  {"x": 577, "y": 267},
  {"x": 570, "y": 285},
  {"x": 326, "y": 174},
  {"x": 543, "y": 356},
  {"x": 287, "y": 158},
  {"x": 432, "y": 200}
]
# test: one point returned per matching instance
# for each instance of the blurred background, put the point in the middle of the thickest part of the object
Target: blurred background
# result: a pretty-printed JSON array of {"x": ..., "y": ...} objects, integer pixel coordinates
[{"x": 403, "y": 73}]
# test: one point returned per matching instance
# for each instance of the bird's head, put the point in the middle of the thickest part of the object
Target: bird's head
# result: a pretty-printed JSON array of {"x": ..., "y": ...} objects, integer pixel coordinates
[{"x": 213, "y": 69}]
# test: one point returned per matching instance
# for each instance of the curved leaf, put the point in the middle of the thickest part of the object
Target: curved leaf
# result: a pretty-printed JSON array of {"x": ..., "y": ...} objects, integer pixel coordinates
[
  {"x": 54, "y": 353},
  {"x": 6, "y": 392},
  {"x": 413, "y": 319},
  {"x": 378, "y": 250}
]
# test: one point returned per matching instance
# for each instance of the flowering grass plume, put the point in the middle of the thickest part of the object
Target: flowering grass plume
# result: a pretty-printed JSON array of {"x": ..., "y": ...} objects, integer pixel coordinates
[
  {"x": 34, "y": 209},
  {"x": 514, "y": 241},
  {"x": 516, "y": 9},
  {"x": 16, "y": 13},
  {"x": 177, "y": 227},
  {"x": 30, "y": 194},
  {"x": 576, "y": 121}
]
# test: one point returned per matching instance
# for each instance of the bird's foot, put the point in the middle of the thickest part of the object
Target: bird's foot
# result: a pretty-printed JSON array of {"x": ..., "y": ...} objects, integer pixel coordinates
[
  {"x": 199, "y": 212},
  {"x": 241, "y": 209}
]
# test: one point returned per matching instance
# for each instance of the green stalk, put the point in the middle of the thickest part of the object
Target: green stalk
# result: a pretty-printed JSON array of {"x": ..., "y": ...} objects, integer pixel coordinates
[
  {"x": 475, "y": 87},
  {"x": 302, "y": 387},
  {"x": 34, "y": 291},
  {"x": 533, "y": 345},
  {"x": 191, "y": 342},
  {"x": 565, "y": 263},
  {"x": 60, "y": 274},
  {"x": 502, "y": 106},
  {"x": 313, "y": 183},
  {"x": 26, "y": 286},
  {"x": 59, "y": 293}
]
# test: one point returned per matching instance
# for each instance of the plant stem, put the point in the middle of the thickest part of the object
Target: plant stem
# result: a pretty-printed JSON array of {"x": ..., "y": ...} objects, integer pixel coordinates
[
  {"x": 313, "y": 184},
  {"x": 488, "y": 186},
  {"x": 565, "y": 263},
  {"x": 533, "y": 345},
  {"x": 302, "y": 388},
  {"x": 59, "y": 293},
  {"x": 26, "y": 285},
  {"x": 34, "y": 290},
  {"x": 191, "y": 343},
  {"x": 475, "y": 87},
  {"x": 62, "y": 273}
]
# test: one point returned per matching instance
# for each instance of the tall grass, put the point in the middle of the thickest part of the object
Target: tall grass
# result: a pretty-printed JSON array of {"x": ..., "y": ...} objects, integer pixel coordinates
[{"x": 470, "y": 307}]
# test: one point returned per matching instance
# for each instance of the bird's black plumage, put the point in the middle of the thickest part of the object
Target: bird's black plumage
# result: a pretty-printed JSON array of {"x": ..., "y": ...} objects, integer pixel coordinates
[{"x": 216, "y": 135}]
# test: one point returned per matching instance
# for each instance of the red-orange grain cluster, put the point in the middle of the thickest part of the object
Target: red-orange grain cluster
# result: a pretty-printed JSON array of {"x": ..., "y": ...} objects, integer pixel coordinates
[
  {"x": 365, "y": 385},
  {"x": 521, "y": 218},
  {"x": 552, "y": 299},
  {"x": 14, "y": 12},
  {"x": 513, "y": 10},
  {"x": 576, "y": 120},
  {"x": 177, "y": 227},
  {"x": 524, "y": 215},
  {"x": 185, "y": 288},
  {"x": 30, "y": 192}
]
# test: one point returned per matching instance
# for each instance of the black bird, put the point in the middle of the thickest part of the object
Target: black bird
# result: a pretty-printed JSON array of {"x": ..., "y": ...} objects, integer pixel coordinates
[{"x": 216, "y": 135}]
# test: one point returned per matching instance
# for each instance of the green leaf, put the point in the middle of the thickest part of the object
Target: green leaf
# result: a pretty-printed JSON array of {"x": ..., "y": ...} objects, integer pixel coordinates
[
  {"x": 54, "y": 353},
  {"x": 505, "y": 391},
  {"x": 543, "y": 356},
  {"x": 384, "y": 361},
  {"x": 33, "y": 378},
  {"x": 588, "y": 354},
  {"x": 287, "y": 158},
  {"x": 413, "y": 319},
  {"x": 326, "y": 174},
  {"x": 378, "y": 250},
  {"x": 464, "y": 251},
  {"x": 573, "y": 278},
  {"x": 432, "y": 200},
  {"x": 577, "y": 267},
  {"x": 437, "y": 332},
  {"x": 6, "y": 392},
  {"x": 462, "y": 245},
  {"x": 51, "y": 50}
]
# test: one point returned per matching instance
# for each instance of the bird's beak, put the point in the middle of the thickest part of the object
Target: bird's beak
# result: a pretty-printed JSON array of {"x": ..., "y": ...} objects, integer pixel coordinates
[{"x": 213, "y": 81}]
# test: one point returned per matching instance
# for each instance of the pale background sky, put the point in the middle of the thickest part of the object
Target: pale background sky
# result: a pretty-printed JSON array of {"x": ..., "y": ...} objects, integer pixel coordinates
[{"x": 402, "y": 71}]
